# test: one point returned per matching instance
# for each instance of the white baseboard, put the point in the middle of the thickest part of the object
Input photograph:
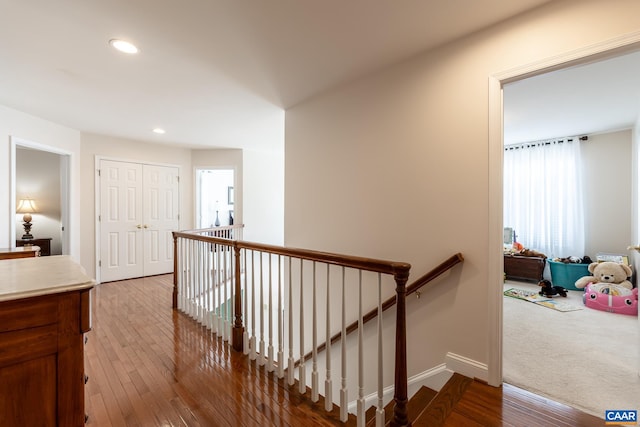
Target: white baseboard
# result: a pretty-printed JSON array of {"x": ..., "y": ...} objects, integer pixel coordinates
[
  {"x": 467, "y": 367},
  {"x": 433, "y": 378}
]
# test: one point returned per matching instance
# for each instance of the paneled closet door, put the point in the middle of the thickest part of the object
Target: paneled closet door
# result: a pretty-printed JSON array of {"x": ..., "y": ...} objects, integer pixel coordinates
[
  {"x": 121, "y": 221},
  {"x": 160, "y": 211}
]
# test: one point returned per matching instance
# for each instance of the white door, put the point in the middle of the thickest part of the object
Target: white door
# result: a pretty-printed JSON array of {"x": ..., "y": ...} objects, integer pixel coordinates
[
  {"x": 121, "y": 221},
  {"x": 138, "y": 212},
  {"x": 160, "y": 210}
]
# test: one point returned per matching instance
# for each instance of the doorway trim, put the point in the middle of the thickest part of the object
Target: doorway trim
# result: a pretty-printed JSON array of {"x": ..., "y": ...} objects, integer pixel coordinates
[
  {"x": 596, "y": 52},
  {"x": 66, "y": 160}
]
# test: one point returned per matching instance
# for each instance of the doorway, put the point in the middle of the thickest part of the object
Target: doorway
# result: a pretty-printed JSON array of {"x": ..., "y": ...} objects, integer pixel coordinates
[
  {"x": 496, "y": 137},
  {"x": 215, "y": 197},
  {"x": 41, "y": 173}
]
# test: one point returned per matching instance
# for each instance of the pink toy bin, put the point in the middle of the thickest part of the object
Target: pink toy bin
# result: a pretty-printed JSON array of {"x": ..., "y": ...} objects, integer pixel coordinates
[{"x": 623, "y": 304}]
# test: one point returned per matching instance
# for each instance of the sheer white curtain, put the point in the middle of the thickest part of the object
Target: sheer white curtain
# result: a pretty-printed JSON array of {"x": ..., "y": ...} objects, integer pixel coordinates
[{"x": 543, "y": 196}]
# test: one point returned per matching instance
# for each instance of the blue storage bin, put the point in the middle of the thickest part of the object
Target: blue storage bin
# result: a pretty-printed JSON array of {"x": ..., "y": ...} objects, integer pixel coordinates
[{"x": 565, "y": 275}]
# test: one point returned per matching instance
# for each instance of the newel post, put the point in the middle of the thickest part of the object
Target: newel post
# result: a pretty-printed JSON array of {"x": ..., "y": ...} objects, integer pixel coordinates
[
  {"x": 238, "y": 328},
  {"x": 175, "y": 270},
  {"x": 400, "y": 417}
]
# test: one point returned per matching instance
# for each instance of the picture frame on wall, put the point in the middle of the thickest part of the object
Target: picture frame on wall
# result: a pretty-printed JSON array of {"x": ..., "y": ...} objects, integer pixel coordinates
[{"x": 230, "y": 195}]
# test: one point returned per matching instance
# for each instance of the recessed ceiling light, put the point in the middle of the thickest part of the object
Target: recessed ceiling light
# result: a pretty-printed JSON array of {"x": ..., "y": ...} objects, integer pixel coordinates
[
  {"x": 158, "y": 130},
  {"x": 123, "y": 46}
]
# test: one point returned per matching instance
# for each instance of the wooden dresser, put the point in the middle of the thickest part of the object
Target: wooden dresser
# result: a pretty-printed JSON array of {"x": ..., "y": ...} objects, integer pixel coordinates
[
  {"x": 524, "y": 267},
  {"x": 20, "y": 252},
  {"x": 44, "y": 313},
  {"x": 44, "y": 243}
]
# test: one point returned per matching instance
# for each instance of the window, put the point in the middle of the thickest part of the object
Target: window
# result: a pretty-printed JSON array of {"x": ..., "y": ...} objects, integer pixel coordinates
[{"x": 543, "y": 196}]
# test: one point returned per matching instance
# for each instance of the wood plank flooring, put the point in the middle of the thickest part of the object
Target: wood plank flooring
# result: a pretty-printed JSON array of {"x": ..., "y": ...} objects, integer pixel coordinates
[
  {"x": 486, "y": 406},
  {"x": 151, "y": 366}
]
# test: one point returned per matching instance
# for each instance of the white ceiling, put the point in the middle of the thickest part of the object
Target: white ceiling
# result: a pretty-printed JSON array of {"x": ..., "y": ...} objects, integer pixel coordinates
[
  {"x": 582, "y": 100},
  {"x": 213, "y": 73}
]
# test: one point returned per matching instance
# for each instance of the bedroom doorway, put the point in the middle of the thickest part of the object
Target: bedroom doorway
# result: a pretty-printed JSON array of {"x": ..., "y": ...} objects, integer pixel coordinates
[
  {"x": 42, "y": 174},
  {"x": 497, "y": 140}
]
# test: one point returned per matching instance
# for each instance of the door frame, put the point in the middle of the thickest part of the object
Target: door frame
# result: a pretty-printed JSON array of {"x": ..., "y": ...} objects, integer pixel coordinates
[
  {"x": 66, "y": 160},
  {"x": 596, "y": 52},
  {"x": 97, "y": 206}
]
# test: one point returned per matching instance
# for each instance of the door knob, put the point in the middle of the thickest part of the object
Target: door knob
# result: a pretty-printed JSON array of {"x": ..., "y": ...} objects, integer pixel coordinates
[
  {"x": 146, "y": 226},
  {"x": 138, "y": 226},
  {"x": 637, "y": 248}
]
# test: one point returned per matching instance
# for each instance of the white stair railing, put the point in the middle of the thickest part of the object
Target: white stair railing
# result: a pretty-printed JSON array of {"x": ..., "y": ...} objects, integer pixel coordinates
[{"x": 209, "y": 288}]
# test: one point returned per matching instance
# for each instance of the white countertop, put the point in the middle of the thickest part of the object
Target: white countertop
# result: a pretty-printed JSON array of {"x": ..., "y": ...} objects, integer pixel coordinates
[{"x": 29, "y": 277}]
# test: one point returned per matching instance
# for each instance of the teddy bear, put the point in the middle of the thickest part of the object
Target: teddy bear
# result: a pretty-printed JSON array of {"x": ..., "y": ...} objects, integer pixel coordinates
[{"x": 607, "y": 272}]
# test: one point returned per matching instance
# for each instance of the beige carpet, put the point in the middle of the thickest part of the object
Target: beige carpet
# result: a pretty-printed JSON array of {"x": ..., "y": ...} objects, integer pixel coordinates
[{"x": 587, "y": 359}]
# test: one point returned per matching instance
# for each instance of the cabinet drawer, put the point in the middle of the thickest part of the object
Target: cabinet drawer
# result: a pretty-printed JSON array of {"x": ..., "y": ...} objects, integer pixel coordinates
[
  {"x": 27, "y": 344},
  {"x": 28, "y": 313}
]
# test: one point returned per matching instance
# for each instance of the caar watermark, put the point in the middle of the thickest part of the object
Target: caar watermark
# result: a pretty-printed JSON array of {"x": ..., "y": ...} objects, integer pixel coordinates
[{"x": 621, "y": 417}]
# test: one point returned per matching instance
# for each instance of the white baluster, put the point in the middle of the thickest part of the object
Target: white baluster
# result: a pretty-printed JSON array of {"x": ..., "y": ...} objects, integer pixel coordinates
[
  {"x": 245, "y": 335},
  {"x": 270, "y": 297},
  {"x": 192, "y": 310},
  {"x": 261, "y": 358},
  {"x": 360, "y": 406},
  {"x": 206, "y": 285},
  {"x": 280, "y": 324},
  {"x": 225, "y": 290},
  {"x": 290, "y": 367},
  {"x": 199, "y": 273},
  {"x": 220, "y": 296},
  {"x": 187, "y": 285},
  {"x": 343, "y": 339},
  {"x": 253, "y": 355},
  {"x": 180, "y": 274},
  {"x": 380, "y": 421},
  {"x": 314, "y": 368},
  {"x": 302, "y": 378},
  {"x": 229, "y": 276},
  {"x": 328, "y": 384}
]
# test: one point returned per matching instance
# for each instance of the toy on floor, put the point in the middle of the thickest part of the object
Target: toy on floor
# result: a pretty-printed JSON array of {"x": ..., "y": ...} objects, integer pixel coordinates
[
  {"x": 611, "y": 298},
  {"x": 548, "y": 290},
  {"x": 607, "y": 272}
]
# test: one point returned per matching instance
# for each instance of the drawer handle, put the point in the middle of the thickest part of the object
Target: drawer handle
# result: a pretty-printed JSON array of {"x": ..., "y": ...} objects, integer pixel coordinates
[{"x": 86, "y": 378}]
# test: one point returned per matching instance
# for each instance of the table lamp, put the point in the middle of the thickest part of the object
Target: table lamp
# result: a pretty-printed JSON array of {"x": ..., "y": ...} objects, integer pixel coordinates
[{"x": 27, "y": 207}]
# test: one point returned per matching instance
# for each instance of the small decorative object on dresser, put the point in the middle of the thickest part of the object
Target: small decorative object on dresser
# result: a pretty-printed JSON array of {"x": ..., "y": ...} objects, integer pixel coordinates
[{"x": 26, "y": 206}]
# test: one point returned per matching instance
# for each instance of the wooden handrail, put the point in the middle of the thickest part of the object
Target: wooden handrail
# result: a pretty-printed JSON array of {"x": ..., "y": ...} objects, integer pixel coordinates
[
  {"x": 440, "y": 269},
  {"x": 369, "y": 264}
]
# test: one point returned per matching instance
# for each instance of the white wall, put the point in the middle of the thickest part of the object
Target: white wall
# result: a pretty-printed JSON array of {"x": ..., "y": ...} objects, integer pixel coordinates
[
  {"x": 123, "y": 149},
  {"x": 48, "y": 135},
  {"x": 263, "y": 196},
  {"x": 607, "y": 160},
  {"x": 396, "y": 165}
]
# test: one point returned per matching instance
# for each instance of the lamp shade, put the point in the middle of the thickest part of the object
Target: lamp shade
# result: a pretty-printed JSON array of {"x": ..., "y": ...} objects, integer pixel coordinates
[{"x": 26, "y": 206}]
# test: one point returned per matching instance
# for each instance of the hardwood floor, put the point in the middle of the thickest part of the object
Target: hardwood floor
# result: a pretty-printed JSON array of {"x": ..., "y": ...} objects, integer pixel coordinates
[{"x": 150, "y": 366}]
